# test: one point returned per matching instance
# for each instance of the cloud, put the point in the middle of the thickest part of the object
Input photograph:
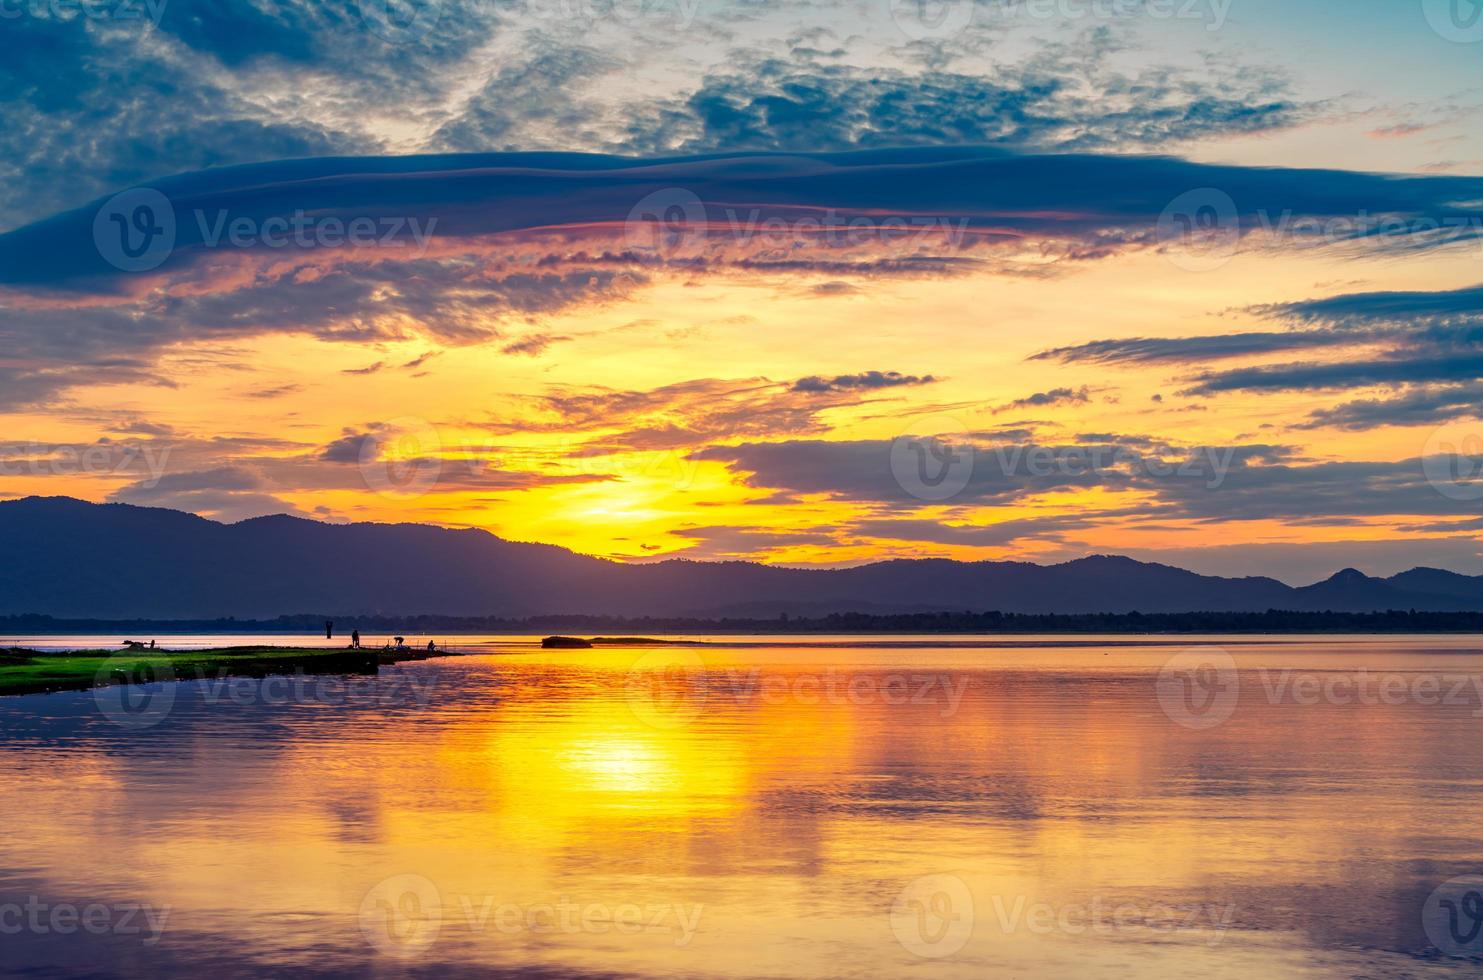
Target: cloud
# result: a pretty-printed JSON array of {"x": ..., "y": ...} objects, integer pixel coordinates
[
  {"x": 1042, "y": 399},
  {"x": 278, "y": 391},
  {"x": 451, "y": 302},
  {"x": 348, "y": 448},
  {"x": 1189, "y": 483},
  {"x": 681, "y": 416},
  {"x": 421, "y": 360},
  {"x": 371, "y": 368},
  {"x": 1068, "y": 98},
  {"x": 867, "y": 381},
  {"x": 730, "y": 543},
  {"x": 463, "y": 245},
  {"x": 142, "y": 427},
  {"x": 1314, "y": 376},
  {"x": 834, "y": 288},
  {"x": 94, "y": 105},
  {"x": 1183, "y": 350},
  {"x": 219, "y": 478},
  {"x": 224, "y": 493},
  {"x": 531, "y": 92},
  {"x": 862, "y": 470},
  {"x": 1417, "y": 406},
  {"x": 1427, "y": 343},
  {"x": 534, "y": 345},
  {"x": 1455, "y": 306},
  {"x": 226, "y": 506},
  {"x": 998, "y": 534},
  {"x": 950, "y": 198}
]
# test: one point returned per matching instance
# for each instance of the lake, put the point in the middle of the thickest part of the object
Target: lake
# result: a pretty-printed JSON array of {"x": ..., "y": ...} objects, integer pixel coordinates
[{"x": 785, "y": 806}]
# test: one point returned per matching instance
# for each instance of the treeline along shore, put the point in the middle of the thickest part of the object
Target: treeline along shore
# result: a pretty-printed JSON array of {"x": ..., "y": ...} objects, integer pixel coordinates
[{"x": 1271, "y": 621}]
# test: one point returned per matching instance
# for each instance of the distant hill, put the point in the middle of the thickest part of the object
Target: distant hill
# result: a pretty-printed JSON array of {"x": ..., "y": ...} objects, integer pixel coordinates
[{"x": 70, "y": 558}]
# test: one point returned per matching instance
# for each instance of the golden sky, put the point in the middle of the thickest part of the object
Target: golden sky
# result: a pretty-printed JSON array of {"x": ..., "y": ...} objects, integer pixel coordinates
[{"x": 705, "y": 379}]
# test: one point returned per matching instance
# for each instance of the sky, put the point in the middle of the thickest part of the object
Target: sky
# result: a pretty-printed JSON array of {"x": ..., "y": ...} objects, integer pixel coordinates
[{"x": 815, "y": 283}]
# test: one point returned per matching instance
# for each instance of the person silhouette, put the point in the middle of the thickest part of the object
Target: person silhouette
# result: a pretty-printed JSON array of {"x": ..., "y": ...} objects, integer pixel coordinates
[{"x": 355, "y": 639}]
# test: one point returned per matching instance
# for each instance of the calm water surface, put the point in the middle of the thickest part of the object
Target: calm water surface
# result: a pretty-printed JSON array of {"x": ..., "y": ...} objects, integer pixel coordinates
[{"x": 830, "y": 807}]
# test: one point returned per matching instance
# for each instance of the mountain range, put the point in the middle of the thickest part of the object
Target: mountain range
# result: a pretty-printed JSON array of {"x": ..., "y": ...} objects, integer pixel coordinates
[{"x": 71, "y": 558}]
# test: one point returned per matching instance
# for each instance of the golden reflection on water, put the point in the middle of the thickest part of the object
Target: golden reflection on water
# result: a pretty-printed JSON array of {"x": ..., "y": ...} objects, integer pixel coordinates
[{"x": 764, "y": 811}]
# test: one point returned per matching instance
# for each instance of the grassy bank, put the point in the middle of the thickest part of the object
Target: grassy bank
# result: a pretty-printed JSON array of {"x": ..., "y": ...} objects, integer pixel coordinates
[{"x": 37, "y": 671}]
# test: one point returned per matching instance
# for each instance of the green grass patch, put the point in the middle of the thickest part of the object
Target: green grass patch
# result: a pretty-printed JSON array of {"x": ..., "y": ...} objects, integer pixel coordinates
[{"x": 34, "y": 671}]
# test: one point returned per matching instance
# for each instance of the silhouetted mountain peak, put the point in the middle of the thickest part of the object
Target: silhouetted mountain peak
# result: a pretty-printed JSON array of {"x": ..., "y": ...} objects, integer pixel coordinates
[{"x": 73, "y": 558}]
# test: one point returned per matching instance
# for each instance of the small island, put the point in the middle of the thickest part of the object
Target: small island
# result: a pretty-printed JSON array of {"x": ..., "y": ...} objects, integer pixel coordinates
[{"x": 578, "y": 643}]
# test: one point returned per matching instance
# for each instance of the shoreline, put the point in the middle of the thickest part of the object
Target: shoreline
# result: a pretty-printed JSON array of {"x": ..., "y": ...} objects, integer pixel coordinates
[
  {"x": 967, "y": 622},
  {"x": 28, "y": 671}
]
